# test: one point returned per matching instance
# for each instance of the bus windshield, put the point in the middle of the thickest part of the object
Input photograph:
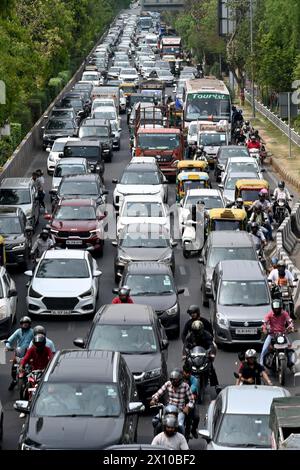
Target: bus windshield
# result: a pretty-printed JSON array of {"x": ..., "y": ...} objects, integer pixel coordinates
[{"x": 206, "y": 106}]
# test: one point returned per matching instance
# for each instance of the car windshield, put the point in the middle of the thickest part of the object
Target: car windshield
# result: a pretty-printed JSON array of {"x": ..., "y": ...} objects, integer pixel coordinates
[
  {"x": 243, "y": 293},
  {"x": 63, "y": 269},
  {"x": 63, "y": 113},
  {"x": 75, "y": 213},
  {"x": 10, "y": 225},
  {"x": 81, "y": 151},
  {"x": 78, "y": 399},
  {"x": 127, "y": 339},
  {"x": 250, "y": 195},
  {"x": 194, "y": 184},
  {"x": 242, "y": 167},
  {"x": 231, "y": 181},
  {"x": 152, "y": 284},
  {"x": 58, "y": 146},
  {"x": 234, "y": 152},
  {"x": 10, "y": 197},
  {"x": 144, "y": 240},
  {"x": 100, "y": 114},
  {"x": 217, "y": 254},
  {"x": 164, "y": 73},
  {"x": 90, "y": 78},
  {"x": 135, "y": 177},
  {"x": 204, "y": 105},
  {"x": 128, "y": 71},
  {"x": 78, "y": 188},
  {"x": 210, "y": 202},
  {"x": 143, "y": 209},
  {"x": 226, "y": 224},
  {"x": 158, "y": 141},
  {"x": 152, "y": 93},
  {"x": 58, "y": 124},
  {"x": 216, "y": 140},
  {"x": 246, "y": 430},
  {"x": 68, "y": 170},
  {"x": 92, "y": 131}
]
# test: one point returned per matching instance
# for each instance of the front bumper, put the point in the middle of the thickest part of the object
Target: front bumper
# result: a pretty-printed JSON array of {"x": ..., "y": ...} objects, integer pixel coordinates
[
  {"x": 229, "y": 336},
  {"x": 170, "y": 322},
  {"x": 15, "y": 257},
  {"x": 36, "y": 306},
  {"x": 72, "y": 242}
]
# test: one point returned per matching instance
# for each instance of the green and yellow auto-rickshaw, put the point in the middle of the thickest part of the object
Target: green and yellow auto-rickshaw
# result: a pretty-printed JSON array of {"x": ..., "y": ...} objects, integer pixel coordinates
[{"x": 191, "y": 180}]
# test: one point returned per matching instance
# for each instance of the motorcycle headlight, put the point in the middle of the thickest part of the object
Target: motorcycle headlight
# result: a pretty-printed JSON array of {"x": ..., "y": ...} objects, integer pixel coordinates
[
  {"x": 222, "y": 320},
  {"x": 280, "y": 339},
  {"x": 88, "y": 293},
  {"x": 150, "y": 374},
  {"x": 20, "y": 246},
  {"x": 173, "y": 310}
]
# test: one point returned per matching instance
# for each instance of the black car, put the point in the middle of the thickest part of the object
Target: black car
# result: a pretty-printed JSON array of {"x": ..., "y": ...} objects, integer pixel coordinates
[
  {"x": 84, "y": 86},
  {"x": 98, "y": 129},
  {"x": 153, "y": 284},
  {"x": 63, "y": 113},
  {"x": 91, "y": 150},
  {"x": 57, "y": 127},
  {"x": 143, "y": 242},
  {"x": 83, "y": 186},
  {"x": 224, "y": 153},
  {"x": 76, "y": 102},
  {"x": 18, "y": 235},
  {"x": 137, "y": 333},
  {"x": 86, "y": 400}
]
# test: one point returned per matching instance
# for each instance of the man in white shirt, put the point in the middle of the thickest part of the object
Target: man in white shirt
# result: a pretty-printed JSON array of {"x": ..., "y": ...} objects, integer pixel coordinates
[{"x": 170, "y": 438}]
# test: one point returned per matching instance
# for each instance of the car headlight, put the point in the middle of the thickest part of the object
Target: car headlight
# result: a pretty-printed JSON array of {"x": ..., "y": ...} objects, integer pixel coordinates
[
  {"x": 3, "y": 312},
  {"x": 33, "y": 293},
  {"x": 222, "y": 320},
  {"x": 88, "y": 293},
  {"x": 28, "y": 214},
  {"x": 166, "y": 259},
  {"x": 20, "y": 246},
  {"x": 53, "y": 231},
  {"x": 173, "y": 310},
  {"x": 150, "y": 374},
  {"x": 51, "y": 158},
  {"x": 123, "y": 259}
]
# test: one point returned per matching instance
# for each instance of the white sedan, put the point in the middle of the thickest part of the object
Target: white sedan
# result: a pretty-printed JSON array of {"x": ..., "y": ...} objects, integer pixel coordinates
[
  {"x": 65, "y": 282},
  {"x": 143, "y": 209},
  {"x": 57, "y": 148},
  {"x": 8, "y": 302},
  {"x": 212, "y": 199}
]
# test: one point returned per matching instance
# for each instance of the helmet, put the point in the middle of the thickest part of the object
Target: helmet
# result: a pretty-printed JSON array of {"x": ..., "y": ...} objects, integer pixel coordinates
[
  {"x": 44, "y": 234},
  {"x": 256, "y": 133},
  {"x": 274, "y": 261},
  {"x": 25, "y": 319},
  {"x": 238, "y": 129},
  {"x": 201, "y": 147},
  {"x": 281, "y": 184},
  {"x": 176, "y": 377},
  {"x": 39, "y": 340},
  {"x": 39, "y": 329},
  {"x": 193, "y": 309},
  {"x": 247, "y": 123},
  {"x": 250, "y": 353},
  {"x": 277, "y": 304},
  {"x": 263, "y": 192},
  {"x": 258, "y": 206},
  {"x": 253, "y": 137},
  {"x": 197, "y": 326},
  {"x": 239, "y": 201},
  {"x": 281, "y": 267},
  {"x": 171, "y": 410},
  {"x": 170, "y": 421},
  {"x": 124, "y": 291}
]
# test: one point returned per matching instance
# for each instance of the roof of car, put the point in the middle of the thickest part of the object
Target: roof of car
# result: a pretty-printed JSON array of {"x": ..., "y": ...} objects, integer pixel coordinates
[
  {"x": 72, "y": 161},
  {"x": 243, "y": 175},
  {"x": 64, "y": 254},
  {"x": 242, "y": 270},
  {"x": 227, "y": 238},
  {"x": 204, "y": 192},
  {"x": 148, "y": 267},
  {"x": 143, "y": 198},
  {"x": 78, "y": 202},
  {"x": 159, "y": 130},
  {"x": 250, "y": 399},
  {"x": 83, "y": 366},
  {"x": 117, "y": 314},
  {"x": 88, "y": 177},
  {"x": 83, "y": 143},
  {"x": 12, "y": 183},
  {"x": 96, "y": 122},
  {"x": 141, "y": 166}
]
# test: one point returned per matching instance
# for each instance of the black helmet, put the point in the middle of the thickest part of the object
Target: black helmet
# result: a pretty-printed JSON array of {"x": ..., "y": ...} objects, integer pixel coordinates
[
  {"x": 258, "y": 206},
  {"x": 247, "y": 123},
  {"x": 176, "y": 377},
  {"x": 44, "y": 233},
  {"x": 39, "y": 340},
  {"x": 281, "y": 267},
  {"x": 281, "y": 184},
  {"x": 39, "y": 329},
  {"x": 193, "y": 309},
  {"x": 25, "y": 319},
  {"x": 170, "y": 421},
  {"x": 197, "y": 326}
]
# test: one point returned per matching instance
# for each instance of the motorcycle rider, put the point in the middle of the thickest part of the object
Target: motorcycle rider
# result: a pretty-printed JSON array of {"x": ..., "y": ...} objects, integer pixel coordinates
[
  {"x": 276, "y": 321},
  {"x": 251, "y": 371},
  {"x": 239, "y": 136},
  {"x": 158, "y": 424},
  {"x": 262, "y": 219},
  {"x": 194, "y": 312},
  {"x": 253, "y": 143},
  {"x": 39, "y": 329},
  {"x": 281, "y": 275},
  {"x": 198, "y": 336},
  {"x": 42, "y": 244},
  {"x": 22, "y": 338},
  {"x": 262, "y": 199},
  {"x": 257, "y": 236},
  {"x": 170, "y": 438},
  {"x": 237, "y": 204},
  {"x": 193, "y": 382},
  {"x": 191, "y": 151},
  {"x": 123, "y": 296},
  {"x": 179, "y": 394},
  {"x": 200, "y": 153},
  {"x": 281, "y": 192}
]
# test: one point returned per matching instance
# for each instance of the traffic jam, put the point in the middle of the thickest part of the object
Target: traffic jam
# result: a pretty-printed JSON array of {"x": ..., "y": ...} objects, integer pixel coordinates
[{"x": 142, "y": 302}]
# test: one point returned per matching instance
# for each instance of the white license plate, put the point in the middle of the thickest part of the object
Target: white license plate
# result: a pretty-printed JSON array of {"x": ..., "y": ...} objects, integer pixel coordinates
[
  {"x": 246, "y": 331},
  {"x": 61, "y": 312},
  {"x": 74, "y": 242}
]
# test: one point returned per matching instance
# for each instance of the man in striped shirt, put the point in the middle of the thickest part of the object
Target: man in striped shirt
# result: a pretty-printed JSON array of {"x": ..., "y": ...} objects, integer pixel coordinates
[{"x": 179, "y": 394}]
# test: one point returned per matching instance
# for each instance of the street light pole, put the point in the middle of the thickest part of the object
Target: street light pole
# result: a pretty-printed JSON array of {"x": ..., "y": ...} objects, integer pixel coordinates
[{"x": 252, "y": 62}]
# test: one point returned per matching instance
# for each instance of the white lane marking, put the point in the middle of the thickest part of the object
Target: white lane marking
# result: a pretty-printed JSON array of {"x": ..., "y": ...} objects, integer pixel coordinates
[
  {"x": 182, "y": 270},
  {"x": 71, "y": 326},
  {"x": 186, "y": 292}
]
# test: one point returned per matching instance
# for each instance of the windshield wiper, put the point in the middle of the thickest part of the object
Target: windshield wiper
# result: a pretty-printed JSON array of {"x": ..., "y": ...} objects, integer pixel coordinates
[
  {"x": 165, "y": 292},
  {"x": 145, "y": 293}
]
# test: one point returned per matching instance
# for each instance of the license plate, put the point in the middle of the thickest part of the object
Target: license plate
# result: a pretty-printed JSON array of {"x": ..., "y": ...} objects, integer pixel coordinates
[
  {"x": 74, "y": 242},
  {"x": 61, "y": 312},
  {"x": 246, "y": 331}
]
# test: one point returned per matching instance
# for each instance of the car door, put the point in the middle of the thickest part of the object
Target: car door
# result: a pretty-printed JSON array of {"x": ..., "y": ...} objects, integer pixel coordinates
[
  {"x": 128, "y": 427},
  {"x": 11, "y": 301},
  {"x": 214, "y": 289}
]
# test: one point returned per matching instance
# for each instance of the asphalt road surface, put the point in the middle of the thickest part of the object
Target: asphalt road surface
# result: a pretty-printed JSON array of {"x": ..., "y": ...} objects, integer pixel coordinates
[{"x": 63, "y": 331}]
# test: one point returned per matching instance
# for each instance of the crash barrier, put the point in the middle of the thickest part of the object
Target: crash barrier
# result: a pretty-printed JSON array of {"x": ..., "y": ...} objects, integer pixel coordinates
[
  {"x": 274, "y": 119},
  {"x": 21, "y": 158}
]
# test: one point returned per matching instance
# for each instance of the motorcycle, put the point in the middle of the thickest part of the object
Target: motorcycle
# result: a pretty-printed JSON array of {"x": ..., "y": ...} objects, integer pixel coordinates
[
  {"x": 157, "y": 421},
  {"x": 30, "y": 383},
  {"x": 255, "y": 153},
  {"x": 285, "y": 294},
  {"x": 276, "y": 358},
  {"x": 281, "y": 211},
  {"x": 200, "y": 361},
  {"x": 15, "y": 364}
]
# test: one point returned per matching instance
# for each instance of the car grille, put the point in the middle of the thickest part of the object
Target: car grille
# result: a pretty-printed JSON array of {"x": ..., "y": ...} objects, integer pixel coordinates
[
  {"x": 234, "y": 336},
  {"x": 73, "y": 234},
  {"x": 60, "y": 303},
  {"x": 241, "y": 324}
]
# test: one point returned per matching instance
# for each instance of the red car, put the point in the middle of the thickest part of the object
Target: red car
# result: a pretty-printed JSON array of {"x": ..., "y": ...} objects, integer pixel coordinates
[{"x": 78, "y": 223}]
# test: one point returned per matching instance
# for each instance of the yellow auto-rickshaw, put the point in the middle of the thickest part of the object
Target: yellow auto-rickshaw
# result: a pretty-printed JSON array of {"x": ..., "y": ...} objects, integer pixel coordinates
[
  {"x": 128, "y": 88},
  {"x": 191, "y": 180},
  {"x": 191, "y": 166},
  {"x": 2, "y": 251},
  {"x": 248, "y": 190},
  {"x": 226, "y": 219}
]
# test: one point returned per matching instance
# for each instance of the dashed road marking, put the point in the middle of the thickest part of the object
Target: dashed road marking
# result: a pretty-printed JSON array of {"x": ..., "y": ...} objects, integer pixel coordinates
[
  {"x": 186, "y": 292},
  {"x": 182, "y": 270}
]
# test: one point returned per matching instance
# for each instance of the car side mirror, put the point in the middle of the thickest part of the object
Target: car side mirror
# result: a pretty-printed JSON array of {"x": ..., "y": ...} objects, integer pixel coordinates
[
  {"x": 221, "y": 186},
  {"x": 22, "y": 406},
  {"x": 181, "y": 290},
  {"x": 174, "y": 244},
  {"x": 48, "y": 149},
  {"x": 164, "y": 344},
  {"x": 115, "y": 181},
  {"x": 120, "y": 129},
  {"x": 205, "y": 434},
  {"x": 115, "y": 290},
  {"x": 262, "y": 170},
  {"x": 47, "y": 216},
  {"x": 135, "y": 407},
  {"x": 79, "y": 342},
  {"x": 12, "y": 293},
  {"x": 28, "y": 273},
  {"x": 114, "y": 243},
  {"x": 29, "y": 228},
  {"x": 97, "y": 273}
]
